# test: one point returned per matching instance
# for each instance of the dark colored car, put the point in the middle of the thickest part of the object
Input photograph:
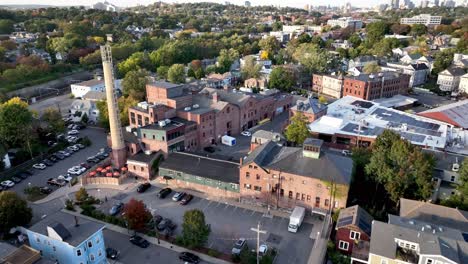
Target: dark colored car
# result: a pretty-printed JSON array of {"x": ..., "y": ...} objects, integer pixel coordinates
[
  {"x": 30, "y": 172},
  {"x": 99, "y": 157},
  {"x": 59, "y": 156},
  {"x": 116, "y": 209},
  {"x": 53, "y": 158},
  {"x": 139, "y": 241},
  {"x": 157, "y": 219},
  {"x": 22, "y": 175},
  {"x": 189, "y": 257},
  {"x": 85, "y": 165},
  {"x": 16, "y": 179},
  {"x": 209, "y": 149},
  {"x": 92, "y": 159},
  {"x": 47, "y": 162},
  {"x": 164, "y": 192},
  {"x": 45, "y": 190},
  {"x": 143, "y": 187},
  {"x": 187, "y": 198},
  {"x": 112, "y": 253},
  {"x": 165, "y": 223}
]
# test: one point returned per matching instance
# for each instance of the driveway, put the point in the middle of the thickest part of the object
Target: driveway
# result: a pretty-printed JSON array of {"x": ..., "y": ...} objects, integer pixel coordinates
[
  {"x": 228, "y": 223},
  {"x": 39, "y": 178}
]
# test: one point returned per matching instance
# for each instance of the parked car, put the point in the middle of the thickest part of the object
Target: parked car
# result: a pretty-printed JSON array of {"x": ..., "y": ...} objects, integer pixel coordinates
[
  {"x": 81, "y": 146},
  {"x": 115, "y": 210},
  {"x": 7, "y": 184},
  {"x": 239, "y": 245},
  {"x": 22, "y": 175},
  {"x": 262, "y": 250},
  {"x": 209, "y": 149},
  {"x": 99, "y": 157},
  {"x": 164, "y": 192},
  {"x": 112, "y": 253},
  {"x": 47, "y": 162},
  {"x": 92, "y": 159},
  {"x": 85, "y": 165},
  {"x": 53, "y": 158},
  {"x": 76, "y": 170},
  {"x": 29, "y": 172},
  {"x": 346, "y": 152},
  {"x": 139, "y": 241},
  {"x": 165, "y": 223},
  {"x": 72, "y": 149},
  {"x": 45, "y": 190},
  {"x": 246, "y": 133},
  {"x": 70, "y": 126},
  {"x": 189, "y": 257},
  {"x": 105, "y": 154},
  {"x": 73, "y": 132},
  {"x": 143, "y": 187},
  {"x": 39, "y": 166},
  {"x": 178, "y": 196},
  {"x": 157, "y": 219},
  {"x": 59, "y": 156},
  {"x": 64, "y": 153},
  {"x": 186, "y": 199},
  {"x": 56, "y": 182},
  {"x": 66, "y": 178},
  {"x": 16, "y": 179}
]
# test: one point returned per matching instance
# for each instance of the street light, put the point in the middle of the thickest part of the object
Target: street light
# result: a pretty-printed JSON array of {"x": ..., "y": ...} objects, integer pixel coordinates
[{"x": 258, "y": 231}]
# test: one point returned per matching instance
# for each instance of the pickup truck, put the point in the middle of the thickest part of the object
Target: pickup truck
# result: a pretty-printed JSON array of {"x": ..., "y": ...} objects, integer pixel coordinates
[{"x": 56, "y": 182}]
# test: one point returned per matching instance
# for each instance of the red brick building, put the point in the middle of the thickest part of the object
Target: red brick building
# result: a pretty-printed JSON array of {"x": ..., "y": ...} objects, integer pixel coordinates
[
  {"x": 353, "y": 232},
  {"x": 374, "y": 86},
  {"x": 310, "y": 108},
  {"x": 286, "y": 176}
]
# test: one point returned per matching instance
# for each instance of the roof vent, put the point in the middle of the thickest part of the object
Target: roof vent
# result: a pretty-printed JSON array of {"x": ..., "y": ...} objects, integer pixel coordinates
[
  {"x": 188, "y": 108},
  {"x": 371, "y": 76},
  {"x": 195, "y": 106},
  {"x": 162, "y": 123},
  {"x": 456, "y": 166},
  {"x": 411, "y": 222},
  {"x": 168, "y": 121}
]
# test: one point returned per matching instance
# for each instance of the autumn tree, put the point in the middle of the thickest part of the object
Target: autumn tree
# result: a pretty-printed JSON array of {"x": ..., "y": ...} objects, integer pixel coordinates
[
  {"x": 176, "y": 73},
  {"x": 54, "y": 119},
  {"x": 270, "y": 45},
  {"x": 81, "y": 195},
  {"x": 14, "y": 211},
  {"x": 136, "y": 214},
  {"x": 372, "y": 67},
  {"x": 195, "y": 230},
  {"x": 250, "y": 69},
  {"x": 225, "y": 59},
  {"x": 400, "y": 29},
  {"x": 297, "y": 130},
  {"x": 134, "y": 84},
  {"x": 123, "y": 102}
]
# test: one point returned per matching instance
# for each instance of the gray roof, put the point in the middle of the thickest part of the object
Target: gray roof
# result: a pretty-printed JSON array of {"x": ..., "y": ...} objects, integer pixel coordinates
[
  {"x": 267, "y": 135},
  {"x": 445, "y": 160},
  {"x": 90, "y": 83},
  {"x": 143, "y": 157},
  {"x": 419, "y": 66},
  {"x": 356, "y": 216},
  {"x": 233, "y": 97},
  {"x": 388, "y": 75},
  {"x": 6, "y": 249},
  {"x": 95, "y": 96},
  {"x": 220, "y": 170},
  {"x": 455, "y": 71},
  {"x": 329, "y": 167},
  {"x": 445, "y": 242},
  {"x": 164, "y": 85},
  {"x": 129, "y": 137},
  {"x": 77, "y": 234},
  {"x": 435, "y": 214},
  {"x": 175, "y": 123},
  {"x": 310, "y": 105}
]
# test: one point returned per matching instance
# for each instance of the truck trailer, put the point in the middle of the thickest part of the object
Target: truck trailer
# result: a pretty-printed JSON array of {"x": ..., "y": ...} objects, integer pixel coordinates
[{"x": 296, "y": 218}]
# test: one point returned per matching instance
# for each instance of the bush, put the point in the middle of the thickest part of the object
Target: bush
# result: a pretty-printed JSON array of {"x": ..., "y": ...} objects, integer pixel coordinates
[
  {"x": 213, "y": 252},
  {"x": 69, "y": 205},
  {"x": 74, "y": 181},
  {"x": 88, "y": 209},
  {"x": 86, "y": 141}
]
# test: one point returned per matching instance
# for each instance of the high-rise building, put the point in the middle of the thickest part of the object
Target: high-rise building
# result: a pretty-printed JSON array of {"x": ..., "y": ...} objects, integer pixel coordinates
[
  {"x": 395, "y": 4},
  {"x": 424, "y": 19},
  {"x": 119, "y": 150},
  {"x": 424, "y": 3},
  {"x": 247, "y": 4},
  {"x": 449, "y": 3},
  {"x": 436, "y": 2}
]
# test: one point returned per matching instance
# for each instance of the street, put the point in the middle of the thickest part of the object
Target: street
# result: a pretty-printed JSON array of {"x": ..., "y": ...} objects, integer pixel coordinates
[{"x": 229, "y": 223}]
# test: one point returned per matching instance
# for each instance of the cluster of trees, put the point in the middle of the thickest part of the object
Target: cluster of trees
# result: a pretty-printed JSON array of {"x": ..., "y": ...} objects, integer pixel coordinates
[{"x": 14, "y": 211}]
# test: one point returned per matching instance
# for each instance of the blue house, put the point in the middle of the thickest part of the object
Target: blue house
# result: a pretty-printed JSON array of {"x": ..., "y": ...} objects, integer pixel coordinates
[{"x": 65, "y": 239}]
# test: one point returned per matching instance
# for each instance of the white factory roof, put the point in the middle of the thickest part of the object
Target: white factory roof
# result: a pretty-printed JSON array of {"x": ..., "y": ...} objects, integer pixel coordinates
[{"x": 356, "y": 117}]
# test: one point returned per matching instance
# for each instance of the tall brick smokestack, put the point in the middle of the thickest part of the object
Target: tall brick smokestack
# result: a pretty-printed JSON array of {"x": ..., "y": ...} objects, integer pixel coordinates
[{"x": 119, "y": 152}]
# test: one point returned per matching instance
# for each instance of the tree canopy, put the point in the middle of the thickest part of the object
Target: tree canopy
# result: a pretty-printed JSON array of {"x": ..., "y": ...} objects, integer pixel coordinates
[
  {"x": 176, "y": 73},
  {"x": 16, "y": 120},
  {"x": 195, "y": 230},
  {"x": 297, "y": 130},
  {"x": 281, "y": 79},
  {"x": 14, "y": 211},
  {"x": 136, "y": 214},
  {"x": 134, "y": 84}
]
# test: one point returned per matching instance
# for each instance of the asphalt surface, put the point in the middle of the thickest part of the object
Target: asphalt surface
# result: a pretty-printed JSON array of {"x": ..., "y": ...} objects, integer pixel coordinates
[
  {"x": 229, "y": 223},
  {"x": 40, "y": 177},
  {"x": 61, "y": 103}
]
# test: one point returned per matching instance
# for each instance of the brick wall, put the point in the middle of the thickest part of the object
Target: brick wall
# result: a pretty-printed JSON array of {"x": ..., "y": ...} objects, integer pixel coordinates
[
  {"x": 212, "y": 191},
  {"x": 317, "y": 83},
  {"x": 140, "y": 170}
]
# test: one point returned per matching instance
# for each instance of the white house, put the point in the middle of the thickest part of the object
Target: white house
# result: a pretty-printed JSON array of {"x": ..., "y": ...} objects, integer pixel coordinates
[
  {"x": 80, "y": 107},
  {"x": 97, "y": 85},
  {"x": 449, "y": 79},
  {"x": 417, "y": 58},
  {"x": 463, "y": 87},
  {"x": 417, "y": 71}
]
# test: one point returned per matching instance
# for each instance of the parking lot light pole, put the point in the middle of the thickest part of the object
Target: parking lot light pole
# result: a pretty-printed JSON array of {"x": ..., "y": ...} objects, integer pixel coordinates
[{"x": 258, "y": 237}]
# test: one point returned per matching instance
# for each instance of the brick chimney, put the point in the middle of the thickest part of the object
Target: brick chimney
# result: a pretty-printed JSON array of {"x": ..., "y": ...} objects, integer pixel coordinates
[{"x": 215, "y": 97}]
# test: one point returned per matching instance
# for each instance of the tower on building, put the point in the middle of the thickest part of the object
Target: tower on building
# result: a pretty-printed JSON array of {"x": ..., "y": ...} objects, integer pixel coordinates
[{"x": 119, "y": 151}]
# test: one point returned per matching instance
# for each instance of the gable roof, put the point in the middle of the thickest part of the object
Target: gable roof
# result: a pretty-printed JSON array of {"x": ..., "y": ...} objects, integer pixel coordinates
[
  {"x": 435, "y": 214},
  {"x": 329, "y": 167},
  {"x": 455, "y": 113},
  {"x": 356, "y": 216}
]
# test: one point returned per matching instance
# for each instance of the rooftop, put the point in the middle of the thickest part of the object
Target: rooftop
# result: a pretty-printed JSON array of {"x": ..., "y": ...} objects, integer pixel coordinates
[
  {"x": 268, "y": 135},
  {"x": 174, "y": 123},
  {"x": 22, "y": 255},
  {"x": 164, "y": 85},
  {"x": 89, "y": 83},
  {"x": 144, "y": 157},
  {"x": 76, "y": 234},
  {"x": 329, "y": 167},
  {"x": 95, "y": 96},
  {"x": 455, "y": 113},
  {"x": 356, "y": 117},
  {"x": 357, "y": 216},
  {"x": 377, "y": 77},
  {"x": 203, "y": 167},
  {"x": 309, "y": 105},
  {"x": 396, "y": 101}
]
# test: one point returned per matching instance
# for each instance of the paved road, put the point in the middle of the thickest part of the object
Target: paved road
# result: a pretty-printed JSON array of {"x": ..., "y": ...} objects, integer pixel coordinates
[
  {"x": 98, "y": 138},
  {"x": 228, "y": 223},
  {"x": 130, "y": 253}
]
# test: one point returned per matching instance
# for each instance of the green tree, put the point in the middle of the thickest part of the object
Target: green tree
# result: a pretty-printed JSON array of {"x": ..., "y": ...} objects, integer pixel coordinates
[
  {"x": 313, "y": 58},
  {"x": 225, "y": 59},
  {"x": 270, "y": 45},
  {"x": 162, "y": 72},
  {"x": 195, "y": 231},
  {"x": 372, "y": 67},
  {"x": 134, "y": 84},
  {"x": 136, "y": 214},
  {"x": 401, "y": 167},
  {"x": 6, "y": 26},
  {"x": 54, "y": 119},
  {"x": 376, "y": 31},
  {"x": 400, "y": 29},
  {"x": 281, "y": 79},
  {"x": 81, "y": 195},
  {"x": 85, "y": 118},
  {"x": 14, "y": 211},
  {"x": 418, "y": 30},
  {"x": 250, "y": 69},
  {"x": 16, "y": 120},
  {"x": 355, "y": 39},
  {"x": 384, "y": 46},
  {"x": 176, "y": 73},
  {"x": 297, "y": 130},
  {"x": 443, "y": 59}
]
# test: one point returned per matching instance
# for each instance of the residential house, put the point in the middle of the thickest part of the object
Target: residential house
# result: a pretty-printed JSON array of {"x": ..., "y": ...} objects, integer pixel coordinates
[
  {"x": 80, "y": 89},
  {"x": 337, "y": 44},
  {"x": 460, "y": 60},
  {"x": 449, "y": 79},
  {"x": 79, "y": 108},
  {"x": 200, "y": 173},
  {"x": 362, "y": 61},
  {"x": 280, "y": 176},
  {"x": 463, "y": 86},
  {"x": 23, "y": 37},
  {"x": 415, "y": 58},
  {"x": 353, "y": 233},
  {"x": 311, "y": 108},
  {"x": 332, "y": 85},
  {"x": 65, "y": 238},
  {"x": 261, "y": 137},
  {"x": 418, "y": 72},
  {"x": 260, "y": 83},
  {"x": 408, "y": 240}
]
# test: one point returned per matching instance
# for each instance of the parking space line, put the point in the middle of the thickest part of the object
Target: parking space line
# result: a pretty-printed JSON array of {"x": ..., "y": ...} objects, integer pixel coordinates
[
  {"x": 208, "y": 205},
  {"x": 227, "y": 205},
  {"x": 245, "y": 210},
  {"x": 235, "y": 208},
  {"x": 217, "y": 204},
  {"x": 253, "y": 212}
]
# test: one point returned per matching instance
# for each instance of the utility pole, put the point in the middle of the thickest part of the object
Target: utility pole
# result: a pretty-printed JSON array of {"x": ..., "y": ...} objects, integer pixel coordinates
[{"x": 258, "y": 237}]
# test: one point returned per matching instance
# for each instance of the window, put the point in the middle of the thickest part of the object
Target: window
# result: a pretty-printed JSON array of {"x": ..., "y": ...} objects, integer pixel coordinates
[
  {"x": 257, "y": 177},
  {"x": 91, "y": 256},
  {"x": 308, "y": 198},
  {"x": 354, "y": 235},
  {"x": 90, "y": 244},
  {"x": 38, "y": 240},
  {"x": 303, "y": 197},
  {"x": 258, "y": 188},
  {"x": 327, "y": 202},
  {"x": 247, "y": 186},
  {"x": 98, "y": 240},
  {"x": 290, "y": 195},
  {"x": 78, "y": 252},
  {"x": 54, "y": 248},
  {"x": 343, "y": 245},
  {"x": 452, "y": 179},
  {"x": 383, "y": 261},
  {"x": 336, "y": 204},
  {"x": 304, "y": 182},
  {"x": 99, "y": 252},
  {"x": 247, "y": 175},
  {"x": 298, "y": 196}
]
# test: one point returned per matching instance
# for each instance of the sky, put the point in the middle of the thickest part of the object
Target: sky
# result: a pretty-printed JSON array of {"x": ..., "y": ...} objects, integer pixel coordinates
[{"x": 125, "y": 3}]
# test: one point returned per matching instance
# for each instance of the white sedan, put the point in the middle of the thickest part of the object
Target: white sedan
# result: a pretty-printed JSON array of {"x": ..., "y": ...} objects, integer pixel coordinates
[
  {"x": 39, "y": 166},
  {"x": 7, "y": 184},
  {"x": 73, "y": 132},
  {"x": 246, "y": 133},
  {"x": 66, "y": 178}
]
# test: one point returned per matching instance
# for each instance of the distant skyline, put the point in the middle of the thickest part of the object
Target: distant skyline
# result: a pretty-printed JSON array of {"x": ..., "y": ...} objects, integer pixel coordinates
[{"x": 126, "y": 3}]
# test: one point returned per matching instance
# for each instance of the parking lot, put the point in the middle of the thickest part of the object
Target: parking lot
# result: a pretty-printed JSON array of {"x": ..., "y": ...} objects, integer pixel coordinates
[
  {"x": 39, "y": 178},
  {"x": 228, "y": 223}
]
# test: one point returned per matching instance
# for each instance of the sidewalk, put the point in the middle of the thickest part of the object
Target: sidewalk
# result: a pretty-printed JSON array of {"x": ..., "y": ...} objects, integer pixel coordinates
[{"x": 150, "y": 239}]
